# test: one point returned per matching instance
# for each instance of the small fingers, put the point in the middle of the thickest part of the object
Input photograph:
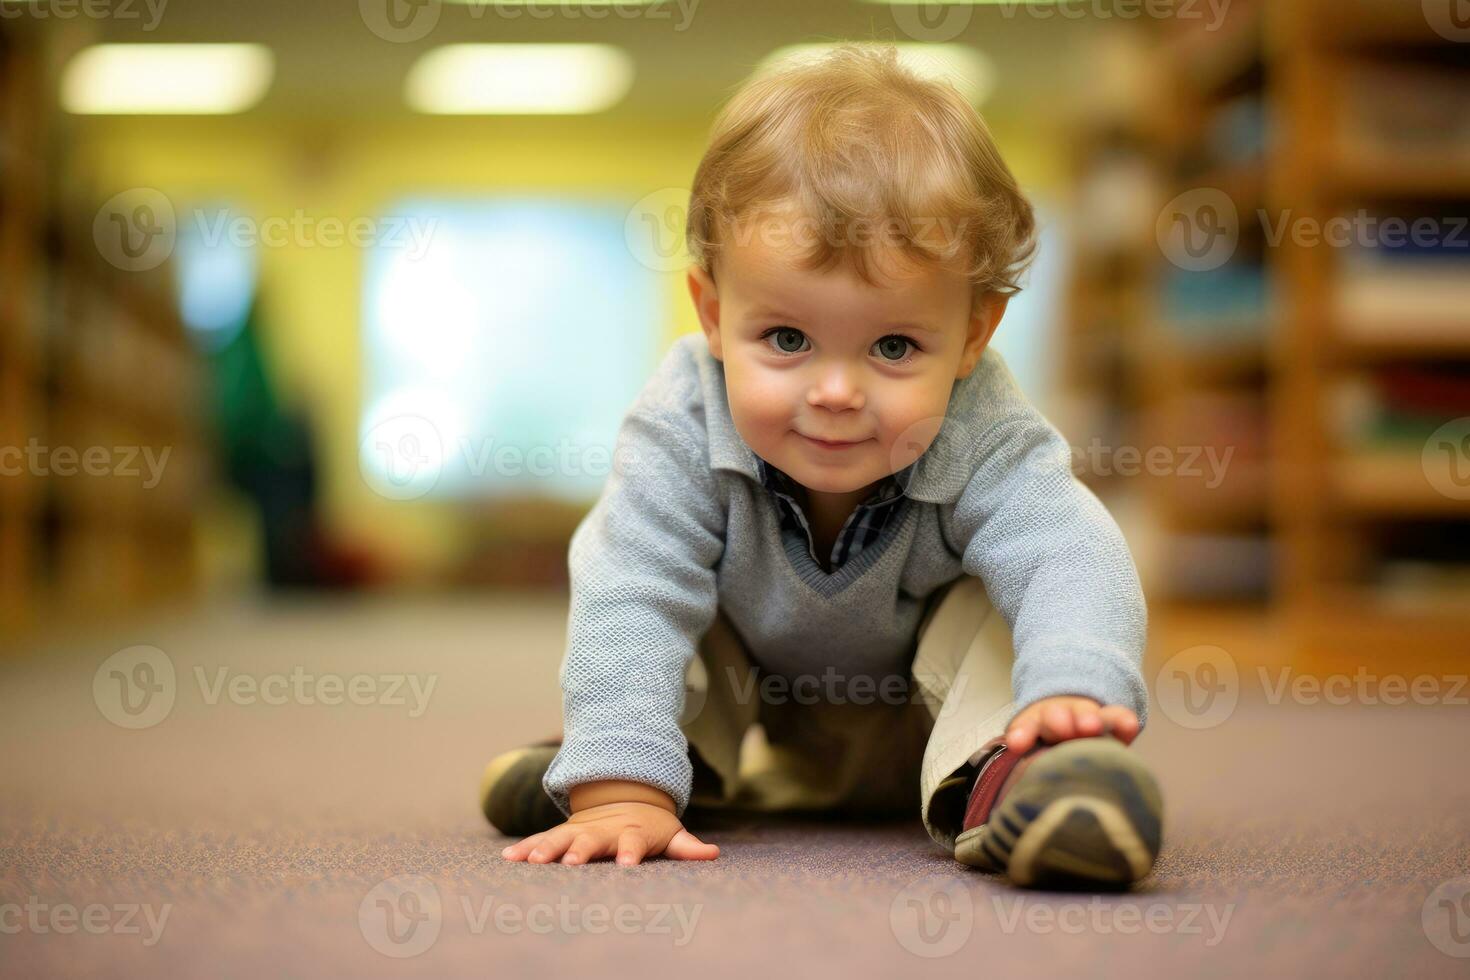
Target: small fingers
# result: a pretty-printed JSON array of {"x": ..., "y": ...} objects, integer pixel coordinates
[
  {"x": 1121, "y": 723},
  {"x": 631, "y": 847},
  {"x": 686, "y": 847},
  {"x": 1088, "y": 721},
  {"x": 521, "y": 848},
  {"x": 585, "y": 848},
  {"x": 1056, "y": 723},
  {"x": 1022, "y": 733},
  {"x": 552, "y": 846}
]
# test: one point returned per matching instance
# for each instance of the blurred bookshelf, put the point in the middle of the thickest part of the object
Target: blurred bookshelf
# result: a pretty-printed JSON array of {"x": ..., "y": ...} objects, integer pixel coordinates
[
  {"x": 1323, "y": 367},
  {"x": 92, "y": 359}
]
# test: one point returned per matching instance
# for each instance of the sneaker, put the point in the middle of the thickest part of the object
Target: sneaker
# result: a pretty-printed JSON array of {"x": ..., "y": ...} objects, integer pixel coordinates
[
  {"x": 511, "y": 796},
  {"x": 1084, "y": 813}
]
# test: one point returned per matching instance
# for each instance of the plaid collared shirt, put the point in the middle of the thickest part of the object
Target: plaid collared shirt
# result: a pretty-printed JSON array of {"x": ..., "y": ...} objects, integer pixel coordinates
[{"x": 862, "y": 527}]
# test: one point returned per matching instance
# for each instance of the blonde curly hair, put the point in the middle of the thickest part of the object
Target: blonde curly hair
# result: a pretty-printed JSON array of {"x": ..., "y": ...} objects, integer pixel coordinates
[{"x": 869, "y": 152}]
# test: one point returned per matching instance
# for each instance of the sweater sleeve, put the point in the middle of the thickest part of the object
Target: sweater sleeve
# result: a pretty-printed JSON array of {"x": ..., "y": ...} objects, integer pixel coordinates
[
  {"x": 643, "y": 594},
  {"x": 1055, "y": 565}
]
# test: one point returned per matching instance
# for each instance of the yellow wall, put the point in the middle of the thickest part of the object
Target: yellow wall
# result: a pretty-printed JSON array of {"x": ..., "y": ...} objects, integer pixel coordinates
[{"x": 312, "y": 295}]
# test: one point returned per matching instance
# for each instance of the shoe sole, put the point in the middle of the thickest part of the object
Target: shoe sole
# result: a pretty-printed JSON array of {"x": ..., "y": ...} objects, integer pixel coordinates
[
  {"x": 1086, "y": 813},
  {"x": 511, "y": 797}
]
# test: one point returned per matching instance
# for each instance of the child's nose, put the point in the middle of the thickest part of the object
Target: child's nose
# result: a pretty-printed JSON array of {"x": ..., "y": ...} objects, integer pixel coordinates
[{"x": 836, "y": 388}]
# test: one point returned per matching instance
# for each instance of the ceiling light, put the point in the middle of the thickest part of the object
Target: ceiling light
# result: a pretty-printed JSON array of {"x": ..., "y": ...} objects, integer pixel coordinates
[
  {"x": 147, "y": 79},
  {"x": 495, "y": 79}
]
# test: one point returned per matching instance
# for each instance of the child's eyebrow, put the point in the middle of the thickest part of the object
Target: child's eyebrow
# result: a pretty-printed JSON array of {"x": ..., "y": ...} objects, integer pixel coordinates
[{"x": 763, "y": 313}]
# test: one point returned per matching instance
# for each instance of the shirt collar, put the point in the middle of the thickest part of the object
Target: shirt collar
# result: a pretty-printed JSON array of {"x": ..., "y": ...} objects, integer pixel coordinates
[
  {"x": 890, "y": 487},
  {"x": 939, "y": 484}
]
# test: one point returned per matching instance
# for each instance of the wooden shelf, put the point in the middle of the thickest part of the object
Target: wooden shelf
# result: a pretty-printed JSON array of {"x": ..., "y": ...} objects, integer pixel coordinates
[
  {"x": 1216, "y": 64},
  {"x": 1241, "y": 497},
  {"x": 1215, "y": 364},
  {"x": 1389, "y": 483},
  {"x": 1391, "y": 344},
  {"x": 1323, "y": 507},
  {"x": 89, "y": 358},
  {"x": 1356, "y": 625},
  {"x": 1360, "y": 177}
]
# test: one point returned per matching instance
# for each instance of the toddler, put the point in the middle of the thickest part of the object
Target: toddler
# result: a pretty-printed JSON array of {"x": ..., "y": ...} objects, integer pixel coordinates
[{"x": 785, "y": 596}]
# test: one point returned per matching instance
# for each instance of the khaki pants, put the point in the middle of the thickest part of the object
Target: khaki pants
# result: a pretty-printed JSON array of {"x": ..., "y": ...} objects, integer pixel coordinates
[{"x": 766, "y": 745}]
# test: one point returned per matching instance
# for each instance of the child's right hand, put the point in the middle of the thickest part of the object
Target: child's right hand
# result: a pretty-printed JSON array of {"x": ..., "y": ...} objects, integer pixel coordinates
[{"x": 628, "y": 829}]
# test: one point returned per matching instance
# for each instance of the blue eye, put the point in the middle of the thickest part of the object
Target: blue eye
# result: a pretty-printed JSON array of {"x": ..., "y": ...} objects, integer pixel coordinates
[
  {"x": 894, "y": 348},
  {"x": 788, "y": 335}
]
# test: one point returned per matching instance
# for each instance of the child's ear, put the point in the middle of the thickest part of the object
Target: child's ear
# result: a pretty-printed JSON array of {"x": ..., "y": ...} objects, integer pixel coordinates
[
  {"x": 982, "y": 327},
  {"x": 706, "y": 299}
]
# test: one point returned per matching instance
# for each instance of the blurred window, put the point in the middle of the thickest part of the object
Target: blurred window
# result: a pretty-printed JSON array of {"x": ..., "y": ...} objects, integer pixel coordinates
[
  {"x": 216, "y": 274},
  {"x": 503, "y": 342}
]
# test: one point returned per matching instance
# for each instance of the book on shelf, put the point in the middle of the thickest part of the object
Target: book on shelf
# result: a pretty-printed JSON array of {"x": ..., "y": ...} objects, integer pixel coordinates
[
  {"x": 1411, "y": 276},
  {"x": 1392, "y": 110}
]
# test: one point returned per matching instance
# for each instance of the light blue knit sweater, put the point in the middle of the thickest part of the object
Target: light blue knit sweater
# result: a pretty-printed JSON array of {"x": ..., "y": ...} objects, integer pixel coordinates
[{"x": 684, "y": 525}]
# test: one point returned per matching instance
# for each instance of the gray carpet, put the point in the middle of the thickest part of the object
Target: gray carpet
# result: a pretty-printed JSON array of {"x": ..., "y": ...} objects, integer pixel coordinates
[{"x": 302, "y": 839}]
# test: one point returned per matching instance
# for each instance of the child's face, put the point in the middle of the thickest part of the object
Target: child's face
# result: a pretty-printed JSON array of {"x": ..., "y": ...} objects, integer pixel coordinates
[{"x": 826, "y": 356}]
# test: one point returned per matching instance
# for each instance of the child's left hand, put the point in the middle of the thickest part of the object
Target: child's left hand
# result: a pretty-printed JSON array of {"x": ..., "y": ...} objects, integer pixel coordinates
[{"x": 1060, "y": 718}]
